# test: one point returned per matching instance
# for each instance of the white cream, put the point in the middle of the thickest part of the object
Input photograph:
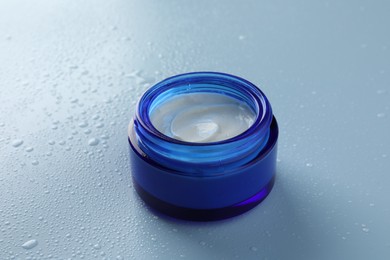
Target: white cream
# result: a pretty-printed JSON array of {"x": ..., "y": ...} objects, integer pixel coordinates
[{"x": 202, "y": 117}]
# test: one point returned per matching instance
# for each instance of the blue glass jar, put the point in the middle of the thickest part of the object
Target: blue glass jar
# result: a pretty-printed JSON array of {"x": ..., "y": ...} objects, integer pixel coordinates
[{"x": 203, "y": 181}]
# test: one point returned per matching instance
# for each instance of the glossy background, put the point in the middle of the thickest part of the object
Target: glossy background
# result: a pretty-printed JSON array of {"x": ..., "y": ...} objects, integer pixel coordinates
[{"x": 71, "y": 73}]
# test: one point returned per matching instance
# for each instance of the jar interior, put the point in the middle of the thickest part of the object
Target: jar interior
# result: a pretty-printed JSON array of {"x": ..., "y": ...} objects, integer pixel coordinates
[
  {"x": 180, "y": 123},
  {"x": 202, "y": 113},
  {"x": 201, "y": 117}
]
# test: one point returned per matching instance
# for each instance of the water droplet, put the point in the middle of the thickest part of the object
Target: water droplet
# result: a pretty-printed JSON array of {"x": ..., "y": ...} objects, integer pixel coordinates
[
  {"x": 34, "y": 162},
  {"x": 241, "y": 37},
  {"x": 253, "y": 248},
  {"x": 83, "y": 124},
  {"x": 17, "y": 142},
  {"x": 30, "y": 244},
  {"x": 93, "y": 142},
  {"x": 309, "y": 165},
  {"x": 380, "y": 115},
  {"x": 380, "y": 91},
  {"x": 51, "y": 142},
  {"x": 202, "y": 243},
  {"x": 365, "y": 228},
  {"x": 97, "y": 246},
  {"x": 29, "y": 149}
]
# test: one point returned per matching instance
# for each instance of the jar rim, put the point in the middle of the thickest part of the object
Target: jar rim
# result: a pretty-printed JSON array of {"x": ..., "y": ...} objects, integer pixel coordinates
[{"x": 263, "y": 112}]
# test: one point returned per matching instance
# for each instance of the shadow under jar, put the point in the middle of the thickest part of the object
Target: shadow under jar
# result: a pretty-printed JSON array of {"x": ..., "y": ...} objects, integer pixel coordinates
[{"x": 203, "y": 146}]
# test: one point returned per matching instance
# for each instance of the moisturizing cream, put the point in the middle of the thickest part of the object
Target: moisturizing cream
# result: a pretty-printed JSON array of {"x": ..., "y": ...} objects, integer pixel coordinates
[
  {"x": 202, "y": 117},
  {"x": 203, "y": 146}
]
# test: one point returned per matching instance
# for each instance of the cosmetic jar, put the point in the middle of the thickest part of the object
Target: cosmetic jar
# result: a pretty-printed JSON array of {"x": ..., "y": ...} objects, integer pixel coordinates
[{"x": 203, "y": 146}]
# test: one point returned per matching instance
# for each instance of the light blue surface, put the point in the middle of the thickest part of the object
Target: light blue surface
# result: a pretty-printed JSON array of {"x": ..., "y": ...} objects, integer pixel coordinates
[{"x": 71, "y": 72}]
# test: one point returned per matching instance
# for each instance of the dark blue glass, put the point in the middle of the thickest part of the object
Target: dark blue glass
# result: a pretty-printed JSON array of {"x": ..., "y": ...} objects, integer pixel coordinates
[
  {"x": 203, "y": 158},
  {"x": 203, "y": 177}
]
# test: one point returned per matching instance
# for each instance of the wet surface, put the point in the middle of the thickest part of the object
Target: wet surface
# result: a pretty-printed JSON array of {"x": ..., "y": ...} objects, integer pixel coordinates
[{"x": 71, "y": 74}]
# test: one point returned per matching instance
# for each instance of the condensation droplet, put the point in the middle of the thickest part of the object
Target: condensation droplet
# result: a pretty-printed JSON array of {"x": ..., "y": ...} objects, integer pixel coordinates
[
  {"x": 105, "y": 137},
  {"x": 29, "y": 149},
  {"x": 34, "y": 162},
  {"x": 365, "y": 228},
  {"x": 93, "y": 142},
  {"x": 30, "y": 244},
  {"x": 83, "y": 124},
  {"x": 17, "y": 143},
  {"x": 380, "y": 115}
]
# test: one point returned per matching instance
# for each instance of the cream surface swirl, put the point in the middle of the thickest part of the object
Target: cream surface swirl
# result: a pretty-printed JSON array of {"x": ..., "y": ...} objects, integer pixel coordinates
[{"x": 202, "y": 117}]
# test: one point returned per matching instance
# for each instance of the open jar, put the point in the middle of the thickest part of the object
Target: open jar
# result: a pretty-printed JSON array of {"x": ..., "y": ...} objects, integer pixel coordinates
[{"x": 203, "y": 146}]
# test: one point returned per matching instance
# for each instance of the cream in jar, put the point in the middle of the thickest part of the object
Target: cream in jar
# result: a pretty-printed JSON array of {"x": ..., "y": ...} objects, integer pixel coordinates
[{"x": 202, "y": 117}]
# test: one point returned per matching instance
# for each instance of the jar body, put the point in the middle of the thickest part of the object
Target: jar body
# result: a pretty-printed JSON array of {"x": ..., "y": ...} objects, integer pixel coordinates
[{"x": 226, "y": 178}]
